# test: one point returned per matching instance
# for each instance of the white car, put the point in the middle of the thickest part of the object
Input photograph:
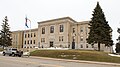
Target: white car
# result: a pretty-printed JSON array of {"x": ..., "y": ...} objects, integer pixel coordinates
[{"x": 12, "y": 52}]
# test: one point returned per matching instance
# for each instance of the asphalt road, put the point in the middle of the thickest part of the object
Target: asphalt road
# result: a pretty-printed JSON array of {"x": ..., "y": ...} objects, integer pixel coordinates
[{"x": 7, "y": 61}]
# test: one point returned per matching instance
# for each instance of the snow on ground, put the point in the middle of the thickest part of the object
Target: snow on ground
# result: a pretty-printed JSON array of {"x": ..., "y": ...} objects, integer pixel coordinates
[
  {"x": 52, "y": 48},
  {"x": 1, "y": 52},
  {"x": 114, "y": 55}
]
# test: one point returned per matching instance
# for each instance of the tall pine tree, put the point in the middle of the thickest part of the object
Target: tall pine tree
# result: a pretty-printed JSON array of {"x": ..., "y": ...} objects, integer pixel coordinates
[
  {"x": 5, "y": 39},
  {"x": 100, "y": 31},
  {"x": 118, "y": 44}
]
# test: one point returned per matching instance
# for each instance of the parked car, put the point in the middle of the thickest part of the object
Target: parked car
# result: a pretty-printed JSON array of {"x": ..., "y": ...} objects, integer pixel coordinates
[{"x": 12, "y": 52}]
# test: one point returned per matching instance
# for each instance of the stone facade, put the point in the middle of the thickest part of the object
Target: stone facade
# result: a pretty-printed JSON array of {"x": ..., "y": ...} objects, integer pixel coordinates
[
  {"x": 30, "y": 38},
  {"x": 58, "y": 33},
  {"x": 17, "y": 39},
  {"x": 73, "y": 36}
]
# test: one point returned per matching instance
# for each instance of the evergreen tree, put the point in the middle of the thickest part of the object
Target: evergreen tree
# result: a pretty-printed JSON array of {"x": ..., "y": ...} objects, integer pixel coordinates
[
  {"x": 118, "y": 44},
  {"x": 5, "y": 39},
  {"x": 100, "y": 31}
]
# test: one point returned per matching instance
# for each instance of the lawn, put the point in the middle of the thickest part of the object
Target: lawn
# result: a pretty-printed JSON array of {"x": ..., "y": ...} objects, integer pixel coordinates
[
  {"x": 1, "y": 49},
  {"x": 77, "y": 55}
]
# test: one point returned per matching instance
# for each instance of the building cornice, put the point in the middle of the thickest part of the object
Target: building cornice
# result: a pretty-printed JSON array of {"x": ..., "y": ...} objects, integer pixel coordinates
[{"x": 64, "y": 18}]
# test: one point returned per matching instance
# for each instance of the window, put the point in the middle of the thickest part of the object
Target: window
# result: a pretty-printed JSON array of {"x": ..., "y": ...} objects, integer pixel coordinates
[
  {"x": 61, "y": 38},
  {"x": 86, "y": 45},
  {"x": 25, "y": 35},
  {"x": 81, "y": 46},
  {"x": 31, "y": 42},
  {"x": 81, "y": 29},
  {"x": 28, "y": 41},
  {"x": 34, "y": 41},
  {"x": 42, "y": 39},
  {"x": 73, "y": 39},
  {"x": 43, "y": 30},
  {"x": 73, "y": 30},
  {"x": 81, "y": 39},
  {"x": 61, "y": 28},
  {"x": 25, "y": 42},
  {"x": 34, "y": 35},
  {"x": 31, "y": 34},
  {"x": 52, "y": 29},
  {"x": 28, "y": 35}
]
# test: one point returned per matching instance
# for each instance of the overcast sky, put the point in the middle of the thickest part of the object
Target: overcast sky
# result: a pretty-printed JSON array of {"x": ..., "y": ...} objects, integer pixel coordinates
[{"x": 41, "y": 10}]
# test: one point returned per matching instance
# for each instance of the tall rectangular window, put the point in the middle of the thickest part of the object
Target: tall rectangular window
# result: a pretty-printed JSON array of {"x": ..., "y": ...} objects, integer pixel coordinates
[
  {"x": 81, "y": 38},
  {"x": 43, "y": 30},
  {"x": 81, "y": 29},
  {"x": 59, "y": 38},
  {"x": 28, "y": 42},
  {"x": 73, "y": 30},
  {"x": 34, "y": 35},
  {"x": 62, "y": 38},
  {"x": 86, "y": 45},
  {"x": 31, "y": 34},
  {"x": 28, "y": 35},
  {"x": 61, "y": 28},
  {"x": 25, "y": 41},
  {"x": 81, "y": 46},
  {"x": 52, "y": 29},
  {"x": 31, "y": 42},
  {"x": 73, "y": 39},
  {"x": 25, "y": 35},
  {"x": 34, "y": 41}
]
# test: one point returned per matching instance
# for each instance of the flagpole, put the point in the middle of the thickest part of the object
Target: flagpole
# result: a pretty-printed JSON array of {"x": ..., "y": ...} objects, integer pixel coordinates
[
  {"x": 30, "y": 38},
  {"x": 29, "y": 32}
]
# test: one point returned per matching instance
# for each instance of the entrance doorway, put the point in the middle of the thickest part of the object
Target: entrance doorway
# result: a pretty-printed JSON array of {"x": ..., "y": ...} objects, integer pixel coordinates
[
  {"x": 73, "y": 45},
  {"x": 51, "y": 43}
]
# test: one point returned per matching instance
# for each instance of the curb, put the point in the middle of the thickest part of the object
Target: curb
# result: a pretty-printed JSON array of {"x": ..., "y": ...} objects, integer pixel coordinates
[{"x": 77, "y": 61}]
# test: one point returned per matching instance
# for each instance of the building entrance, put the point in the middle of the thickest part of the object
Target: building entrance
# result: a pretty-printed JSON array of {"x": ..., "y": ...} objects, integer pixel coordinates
[{"x": 73, "y": 45}]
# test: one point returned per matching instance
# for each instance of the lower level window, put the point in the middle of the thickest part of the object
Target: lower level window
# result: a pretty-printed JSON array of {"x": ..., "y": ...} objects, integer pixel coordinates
[
  {"x": 86, "y": 45},
  {"x": 81, "y": 46}
]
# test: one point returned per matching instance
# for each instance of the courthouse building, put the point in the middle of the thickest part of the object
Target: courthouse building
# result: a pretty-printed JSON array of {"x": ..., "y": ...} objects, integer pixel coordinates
[{"x": 58, "y": 33}]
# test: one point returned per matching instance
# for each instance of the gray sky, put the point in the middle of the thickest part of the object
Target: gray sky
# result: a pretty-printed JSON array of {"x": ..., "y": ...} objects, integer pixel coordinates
[{"x": 40, "y": 10}]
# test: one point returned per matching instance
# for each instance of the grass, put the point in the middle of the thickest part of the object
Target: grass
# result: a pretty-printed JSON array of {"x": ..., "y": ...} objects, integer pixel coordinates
[
  {"x": 1, "y": 49},
  {"x": 77, "y": 55}
]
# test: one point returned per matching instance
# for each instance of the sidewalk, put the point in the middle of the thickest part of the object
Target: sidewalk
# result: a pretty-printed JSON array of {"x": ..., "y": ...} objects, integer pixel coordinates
[{"x": 77, "y": 61}]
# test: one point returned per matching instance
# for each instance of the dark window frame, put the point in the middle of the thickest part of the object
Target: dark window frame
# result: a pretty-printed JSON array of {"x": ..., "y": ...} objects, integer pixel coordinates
[
  {"x": 73, "y": 30},
  {"x": 34, "y": 41},
  {"x": 34, "y": 35},
  {"x": 25, "y": 42},
  {"x": 28, "y": 35},
  {"x": 61, "y": 28},
  {"x": 25, "y": 35},
  {"x": 31, "y": 34},
  {"x": 51, "y": 29},
  {"x": 43, "y": 30}
]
